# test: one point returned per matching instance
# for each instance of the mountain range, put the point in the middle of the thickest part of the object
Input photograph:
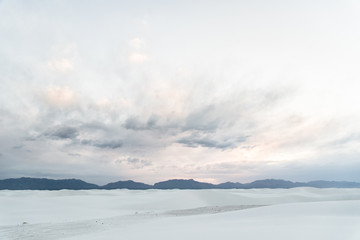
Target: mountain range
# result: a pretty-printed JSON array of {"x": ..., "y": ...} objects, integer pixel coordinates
[{"x": 26, "y": 183}]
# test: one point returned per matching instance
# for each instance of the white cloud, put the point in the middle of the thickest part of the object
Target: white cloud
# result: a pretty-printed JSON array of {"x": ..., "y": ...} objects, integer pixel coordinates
[
  {"x": 137, "y": 43},
  {"x": 60, "y": 65},
  {"x": 60, "y": 97},
  {"x": 62, "y": 57},
  {"x": 138, "y": 58}
]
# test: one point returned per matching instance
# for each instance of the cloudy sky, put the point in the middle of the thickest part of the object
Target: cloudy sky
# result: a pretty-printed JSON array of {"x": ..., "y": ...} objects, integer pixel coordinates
[{"x": 153, "y": 90}]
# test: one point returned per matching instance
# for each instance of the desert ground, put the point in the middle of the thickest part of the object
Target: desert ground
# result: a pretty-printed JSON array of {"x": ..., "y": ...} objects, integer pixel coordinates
[{"x": 252, "y": 214}]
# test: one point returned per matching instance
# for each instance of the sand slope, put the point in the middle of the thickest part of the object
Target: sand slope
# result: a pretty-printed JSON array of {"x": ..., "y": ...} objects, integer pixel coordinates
[{"x": 300, "y": 213}]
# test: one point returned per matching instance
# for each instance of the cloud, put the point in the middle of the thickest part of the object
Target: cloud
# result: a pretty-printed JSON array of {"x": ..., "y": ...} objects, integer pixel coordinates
[
  {"x": 110, "y": 144},
  {"x": 138, "y": 163},
  {"x": 60, "y": 97},
  {"x": 18, "y": 147},
  {"x": 134, "y": 123},
  {"x": 205, "y": 119},
  {"x": 62, "y": 132},
  {"x": 135, "y": 163},
  {"x": 74, "y": 154},
  {"x": 138, "y": 58},
  {"x": 61, "y": 65},
  {"x": 195, "y": 141},
  {"x": 137, "y": 43},
  {"x": 208, "y": 99}
]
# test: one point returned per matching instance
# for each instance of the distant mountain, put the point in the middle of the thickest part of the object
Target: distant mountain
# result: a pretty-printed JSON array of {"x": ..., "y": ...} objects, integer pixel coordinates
[
  {"x": 266, "y": 183},
  {"x": 332, "y": 184},
  {"x": 45, "y": 184},
  {"x": 76, "y": 184},
  {"x": 183, "y": 184},
  {"x": 230, "y": 185},
  {"x": 280, "y": 183},
  {"x": 273, "y": 183},
  {"x": 127, "y": 184}
]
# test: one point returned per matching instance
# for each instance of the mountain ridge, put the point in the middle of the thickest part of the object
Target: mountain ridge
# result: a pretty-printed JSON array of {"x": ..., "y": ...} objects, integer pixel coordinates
[{"x": 27, "y": 183}]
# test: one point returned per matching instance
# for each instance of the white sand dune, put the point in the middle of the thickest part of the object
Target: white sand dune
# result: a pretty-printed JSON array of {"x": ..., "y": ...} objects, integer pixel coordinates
[{"x": 299, "y": 213}]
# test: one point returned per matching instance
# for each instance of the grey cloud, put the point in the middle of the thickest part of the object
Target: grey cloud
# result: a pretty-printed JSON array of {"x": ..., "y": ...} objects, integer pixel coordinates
[
  {"x": 62, "y": 132},
  {"x": 218, "y": 125},
  {"x": 103, "y": 144},
  {"x": 205, "y": 119},
  {"x": 74, "y": 154},
  {"x": 18, "y": 147},
  {"x": 94, "y": 126},
  {"x": 152, "y": 121},
  {"x": 136, "y": 162},
  {"x": 109, "y": 144},
  {"x": 142, "y": 137},
  {"x": 30, "y": 138},
  {"x": 195, "y": 141},
  {"x": 99, "y": 140},
  {"x": 240, "y": 110},
  {"x": 134, "y": 123},
  {"x": 133, "y": 160}
]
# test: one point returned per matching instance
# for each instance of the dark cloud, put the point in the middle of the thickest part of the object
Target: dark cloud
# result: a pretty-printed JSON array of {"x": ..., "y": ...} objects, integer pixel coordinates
[
  {"x": 152, "y": 121},
  {"x": 72, "y": 133},
  {"x": 103, "y": 144},
  {"x": 109, "y": 144},
  {"x": 18, "y": 147},
  {"x": 135, "y": 123},
  {"x": 195, "y": 141},
  {"x": 62, "y": 132}
]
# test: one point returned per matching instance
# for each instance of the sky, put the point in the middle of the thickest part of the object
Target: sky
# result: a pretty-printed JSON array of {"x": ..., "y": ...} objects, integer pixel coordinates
[{"x": 215, "y": 91}]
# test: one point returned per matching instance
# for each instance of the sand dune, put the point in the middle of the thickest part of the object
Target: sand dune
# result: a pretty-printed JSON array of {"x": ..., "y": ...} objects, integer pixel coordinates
[{"x": 300, "y": 213}]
